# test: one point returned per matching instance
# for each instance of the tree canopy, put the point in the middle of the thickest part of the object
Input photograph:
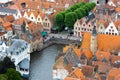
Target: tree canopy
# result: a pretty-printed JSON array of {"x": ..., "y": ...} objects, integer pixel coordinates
[
  {"x": 5, "y": 64},
  {"x": 12, "y": 74},
  {"x": 76, "y": 11}
]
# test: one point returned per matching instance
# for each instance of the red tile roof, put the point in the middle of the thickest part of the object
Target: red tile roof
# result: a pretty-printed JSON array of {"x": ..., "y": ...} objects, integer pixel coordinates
[
  {"x": 105, "y": 42},
  {"x": 113, "y": 73},
  {"x": 101, "y": 55}
]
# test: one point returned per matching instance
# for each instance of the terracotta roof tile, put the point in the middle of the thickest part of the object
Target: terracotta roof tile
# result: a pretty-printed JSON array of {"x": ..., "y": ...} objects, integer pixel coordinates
[
  {"x": 101, "y": 55},
  {"x": 1, "y": 20},
  {"x": 115, "y": 58},
  {"x": 86, "y": 41},
  {"x": 117, "y": 23},
  {"x": 88, "y": 71},
  {"x": 105, "y": 42},
  {"x": 65, "y": 49},
  {"x": 117, "y": 9},
  {"x": 77, "y": 73},
  {"x": 7, "y": 26},
  {"x": 113, "y": 73},
  {"x": 77, "y": 51},
  {"x": 9, "y": 18}
]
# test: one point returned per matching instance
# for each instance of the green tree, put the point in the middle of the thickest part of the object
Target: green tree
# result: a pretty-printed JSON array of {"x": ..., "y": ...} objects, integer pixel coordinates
[
  {"x": 5, "y": 64},
  {"x": 3, "y": 77},
  {"x": 79, "y": 14},
  {"x": 75, "y": 16},
  {"x": 12, "y": 74},
  {"x": 59, "y": 19},
  {"x": 69, "y": 20}
]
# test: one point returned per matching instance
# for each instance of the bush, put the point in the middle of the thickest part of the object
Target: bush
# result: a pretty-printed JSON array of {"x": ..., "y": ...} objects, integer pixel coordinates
[{"x": 12, "y": 74}]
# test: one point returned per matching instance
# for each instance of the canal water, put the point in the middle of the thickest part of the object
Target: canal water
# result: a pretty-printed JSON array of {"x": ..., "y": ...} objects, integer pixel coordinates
[{"x": 42, "y": 63}]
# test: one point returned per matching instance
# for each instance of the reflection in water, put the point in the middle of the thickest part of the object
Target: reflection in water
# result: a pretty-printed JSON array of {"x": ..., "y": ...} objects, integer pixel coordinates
[{"x": 42, "y": 63}]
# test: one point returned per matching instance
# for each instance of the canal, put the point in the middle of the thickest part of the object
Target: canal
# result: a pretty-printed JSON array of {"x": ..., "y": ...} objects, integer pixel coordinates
[{"x": 42, "y": 63}]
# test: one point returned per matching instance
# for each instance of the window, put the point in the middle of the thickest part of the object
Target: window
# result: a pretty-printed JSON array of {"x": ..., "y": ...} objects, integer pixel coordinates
[
  {"x": 97, "y": 2},
  {"x": 83, "y": 24},
  {"x": 111, "y": 26},
  {"x": 115, "y": 33},
  {"x": 31, "y": 17},
  {"x": 89, "y": 25},
  {"x": 85, "y": 29},
  {"x": 106, "y": 32},
  {"x": 76, "y": 28},
  {"x": 109, "y": 33},
  {"x": 48, "y": 24},
  {"x": 79, "y": 28},
  {"x": 38, "y": 19},
  {"x": 109, "y": 29},
  {"x": 101, "y": 27},
  {"x": 112, "y": 30},
  {"x": 45, "y": 19}
]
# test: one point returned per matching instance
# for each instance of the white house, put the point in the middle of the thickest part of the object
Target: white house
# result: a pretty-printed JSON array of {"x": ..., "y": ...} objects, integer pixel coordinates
[
  {"x": 33, "y": 16},
  {"x": 18, "y": 15},
  {"x": 111, "y": 29},
  {"x": 82, "y": 26},
  {"x": 39, "y": 19},
  {"x": 77, "y": 28},
  {"x": 18, "y": 50},
  {"x": 26, "y": 15}
]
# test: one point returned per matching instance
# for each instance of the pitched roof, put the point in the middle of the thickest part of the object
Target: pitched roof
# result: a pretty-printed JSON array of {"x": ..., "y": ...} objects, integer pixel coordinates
[
  {"x": 114, "y": 58},
  {"x": 59, "y": 64},
  {"x": 103, "y": 55},
  {"x": 65, "y": 49},
  {"x": 9, "y": 18},
  {"x": 117, "y": 9},
  {"x": 7, "y": 26},
  {"x": 117, "y": 23},
  {"x": 20, "y": 21},
  {"x": 88, "y": 54},
  {"x": 1, "y": 20},
  {"x": 77, "y": 51},
  {"x": 105, "y": 42},
  {"x": 88, "y": 70},
  {"x": 35, "y": 13},
  {"x": 77, "y": 73},
  {"x": 86, "y": 41},
  {"x": 113, "y": 73}
]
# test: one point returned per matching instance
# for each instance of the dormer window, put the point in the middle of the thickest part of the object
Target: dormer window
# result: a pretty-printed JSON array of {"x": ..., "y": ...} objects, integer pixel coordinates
[
  {"x": 45, "y": 19},
  {"x": 17, "y": 53},
  {"x": 11, "y": 52},
  {"x": 97, "y": 2},
  {"x": 31, "y": 17},
  {"x": 83, "y": 24},
  {"x": 111, "y": 26},
  {"x": 89, "y": 25}
]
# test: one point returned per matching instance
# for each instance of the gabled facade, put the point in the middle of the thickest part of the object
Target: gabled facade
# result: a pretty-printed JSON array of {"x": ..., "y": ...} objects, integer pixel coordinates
[
  {"x": 101, "y": 27},
  {"x": 47, "y": 25},
  {"x": 18, "y": 15},
  {"x": 82, "y": 26},
  {"x": 39, "y": 19},
  {"x": 33, "y": 16},
  {"x": 25, "y": 15},
  {"x": 77, "y": 28},
  {"x": 111, "y": 29}
]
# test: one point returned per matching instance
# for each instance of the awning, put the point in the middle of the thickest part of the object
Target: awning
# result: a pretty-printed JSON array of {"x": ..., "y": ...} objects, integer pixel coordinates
[{"x": 43, "y": 33}]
